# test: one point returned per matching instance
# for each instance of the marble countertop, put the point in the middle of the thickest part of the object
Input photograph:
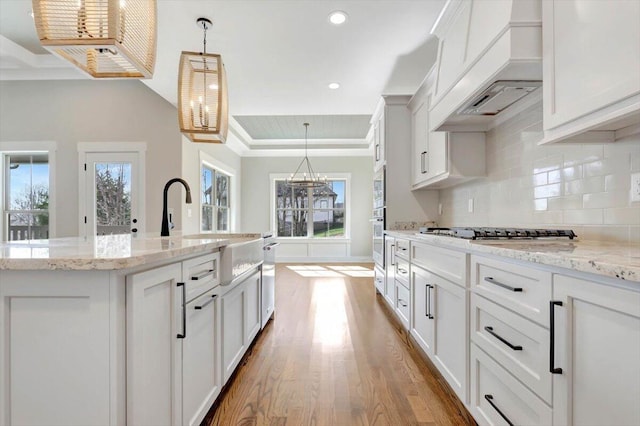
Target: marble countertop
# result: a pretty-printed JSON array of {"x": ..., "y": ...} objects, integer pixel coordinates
[
  {"x": 610, "y": 259},
  {"x": 109, "y": 251}
]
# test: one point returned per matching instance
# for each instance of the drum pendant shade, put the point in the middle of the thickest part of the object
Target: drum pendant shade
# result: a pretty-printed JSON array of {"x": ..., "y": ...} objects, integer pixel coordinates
[{"x": 104, "y": 38}]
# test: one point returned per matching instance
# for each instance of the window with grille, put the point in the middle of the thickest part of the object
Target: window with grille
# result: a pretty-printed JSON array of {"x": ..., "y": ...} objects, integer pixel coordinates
[{"x": 214, "y": 199}]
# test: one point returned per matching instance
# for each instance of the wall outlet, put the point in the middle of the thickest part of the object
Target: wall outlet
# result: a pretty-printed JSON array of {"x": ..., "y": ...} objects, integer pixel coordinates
[
  {"x": 189, "y": 214},
  {"x": 470, "y": 205},
  {"x": 634, "y": 192}
]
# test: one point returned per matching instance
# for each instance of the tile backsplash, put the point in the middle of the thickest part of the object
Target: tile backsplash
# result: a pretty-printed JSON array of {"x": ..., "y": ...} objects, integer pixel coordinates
[{"x": 584, "y": 187}]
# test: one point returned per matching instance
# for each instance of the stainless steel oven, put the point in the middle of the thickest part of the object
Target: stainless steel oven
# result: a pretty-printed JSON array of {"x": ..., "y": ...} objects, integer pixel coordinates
[{"x": 378, "y": 219}]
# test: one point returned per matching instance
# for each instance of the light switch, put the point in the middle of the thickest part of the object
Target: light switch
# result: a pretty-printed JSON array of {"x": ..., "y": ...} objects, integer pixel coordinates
[{"x": 634, "y": 195}]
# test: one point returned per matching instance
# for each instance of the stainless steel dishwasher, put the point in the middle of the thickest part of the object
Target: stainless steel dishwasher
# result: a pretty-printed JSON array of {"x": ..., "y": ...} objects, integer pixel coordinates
[{"x": 268, "y": 277}]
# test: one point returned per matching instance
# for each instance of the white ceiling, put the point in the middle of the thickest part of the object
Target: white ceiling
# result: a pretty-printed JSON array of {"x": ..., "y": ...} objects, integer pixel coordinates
[{"x": 280, "y": 55}]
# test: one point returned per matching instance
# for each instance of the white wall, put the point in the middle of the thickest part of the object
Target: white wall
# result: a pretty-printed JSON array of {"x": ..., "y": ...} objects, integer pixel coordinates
[
  {"x": 256, "y": 193},
  {"x": 581, "y": 187},
  {"x": 222, "y": 158},
  {"x": 69, "y": 112}
]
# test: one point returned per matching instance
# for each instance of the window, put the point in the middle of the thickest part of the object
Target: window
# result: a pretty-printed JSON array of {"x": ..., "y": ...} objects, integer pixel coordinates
[
  {"x": 311, "y": 212},
  {"x": 215, "y": 199},
  {"x": 26, "y": 189}
]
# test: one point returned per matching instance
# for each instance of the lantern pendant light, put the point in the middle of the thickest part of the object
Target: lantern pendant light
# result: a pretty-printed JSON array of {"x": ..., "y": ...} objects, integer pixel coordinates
[
  {"x": 203, "y": 112},
  {"x": 104, "y": 38},
  {"x": 305, "y": 176}
]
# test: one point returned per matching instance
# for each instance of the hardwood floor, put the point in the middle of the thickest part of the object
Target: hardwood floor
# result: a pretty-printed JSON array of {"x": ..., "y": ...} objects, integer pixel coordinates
[{"x": 332, "y": 356}]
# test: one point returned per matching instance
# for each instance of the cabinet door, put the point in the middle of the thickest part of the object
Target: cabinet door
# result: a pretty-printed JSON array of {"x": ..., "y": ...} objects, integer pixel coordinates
[
  {"x": 232, "y": 307},
  {"x": 451, "y": 343},
  {"x": 379, "y": 143},
  {"x": 390, "y": 270},
  {"x": 155, "y": 305},
  {"x": 419, "y": 140},
  {"x": 597, "y": 339},
  {"x": 252, "y": 307},
  {"x": 438, "y": 154},
  {"x": 422, "y": 326},
  {"x": 201, "y": 381},
  {"x": 55, "y": 351},
  {"x": 588, "y": 60}
]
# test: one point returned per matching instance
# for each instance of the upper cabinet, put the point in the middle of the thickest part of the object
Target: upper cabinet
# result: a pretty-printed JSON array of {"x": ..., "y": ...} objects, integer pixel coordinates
[
  {"x": 591, "y": 70},
  {"x": 489, "y": 64},
  {"x": 441, "y": 159},
  {"x": 378, "y": 127}
]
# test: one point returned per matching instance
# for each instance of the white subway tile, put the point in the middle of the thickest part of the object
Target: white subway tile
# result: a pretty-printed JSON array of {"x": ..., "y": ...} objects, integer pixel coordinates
[
  {"x": 571, "y": 173},
  {"x": 568, "y": 202},
  {"x": 617, "y": 182},
  {"x": 622, "y": 216},
  {"x": 554, "y": 176},
  {"x": 546, "y": 191},
  {"x": 583, "y": 216},
  {"x": 602, "y": 200}
]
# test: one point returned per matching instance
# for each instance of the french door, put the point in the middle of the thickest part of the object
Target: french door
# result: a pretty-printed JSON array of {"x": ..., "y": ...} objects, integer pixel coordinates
[{"x": 112, "y": 188}]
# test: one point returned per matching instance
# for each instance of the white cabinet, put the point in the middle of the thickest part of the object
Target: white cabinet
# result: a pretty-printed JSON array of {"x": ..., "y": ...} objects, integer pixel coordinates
[
  {"x": 440, "y": 326},
  {"x": 390, "y": 269},
  {"x": 201, "y": 375},
  {"x": 240, "y": 312},
  {"x": 378, "y": 141},
  {"x": 591, "y": 68},
  {"x": 155, "y": 327},
  {"x": 55, "y": 355},
  {"x": 378, "y": 279},
  {"x": 597, "y": 348},
  {"x": 419, "y": 106}
]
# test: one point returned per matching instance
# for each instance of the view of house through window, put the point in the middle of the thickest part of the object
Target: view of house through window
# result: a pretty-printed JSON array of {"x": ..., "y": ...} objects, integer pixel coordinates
[
  {"x": 311, "y": 212},
  {"x": 215, "y": 199},
  {"x": 26, "y": 204}
]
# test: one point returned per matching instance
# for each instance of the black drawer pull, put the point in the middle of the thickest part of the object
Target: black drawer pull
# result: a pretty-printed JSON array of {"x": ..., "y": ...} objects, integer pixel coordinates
[
  {"x": 402, "y": 302},
  {"x": 489, "y": 399},
  {"x": 502, "y": 339},
  {"x": 203, "y": 274},
  {"x": 184, "y": 312},
  {"x": 403, "y": 271},
  {"x": 552, "y": 368},
  {"x": 210, "y": 300},
  {"x": 498, "y": 283},
  {"x": 429, "y": 287}
]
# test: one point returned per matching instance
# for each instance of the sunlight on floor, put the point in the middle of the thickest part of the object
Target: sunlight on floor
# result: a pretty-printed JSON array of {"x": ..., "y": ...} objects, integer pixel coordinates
[
  {"x": 335, "y": 271},
  {"x": 331, "y": 328}
]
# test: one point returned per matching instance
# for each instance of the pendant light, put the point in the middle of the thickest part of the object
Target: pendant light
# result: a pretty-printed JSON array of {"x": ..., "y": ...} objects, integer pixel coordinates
[
  {"x": 104, "y": 38},
  {"x": 304, "y": 176},
  {"x": 203, "y": 111}
]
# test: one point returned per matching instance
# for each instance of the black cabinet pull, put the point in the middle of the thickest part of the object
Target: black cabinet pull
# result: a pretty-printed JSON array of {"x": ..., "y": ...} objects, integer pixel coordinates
[
  {"x": 429, "y": 287},
  {"x": 423, "y": 168},
  {"x": 426, "y": 300},
  {"x": 210, "y": 300},
  {"x": 402, "y": 302},
  {"x": 377, "y": 152},
  {"x": 489, "y": 399},
  {"x": 502, "y": 339},
  {"x": 498, "y": 283},
  {"x": 203, "y": 274},
  {"x": 184, "y": 312},
  {"x": 552, "y": 368}
]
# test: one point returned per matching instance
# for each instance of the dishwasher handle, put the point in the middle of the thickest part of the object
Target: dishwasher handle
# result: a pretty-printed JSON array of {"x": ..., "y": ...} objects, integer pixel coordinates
[{"x": 270, "y": 246}]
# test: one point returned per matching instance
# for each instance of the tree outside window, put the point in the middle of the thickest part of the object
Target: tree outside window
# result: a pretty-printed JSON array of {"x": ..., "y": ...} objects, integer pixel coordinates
[
  {"x": 215, "y": 200},
  {"x": 310, "y": 212},
  {"x": 26, "y": 214}
]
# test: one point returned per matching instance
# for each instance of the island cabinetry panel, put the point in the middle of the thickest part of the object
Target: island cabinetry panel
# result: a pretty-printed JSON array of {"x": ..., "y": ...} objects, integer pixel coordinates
[
  {"x": 597, "y": 353},
  {"x": 55, "y": 330},
  {"x": 240, "y": 323},
  {"x": 390, "y": 269},
  {"x": 590, "y": 77}
]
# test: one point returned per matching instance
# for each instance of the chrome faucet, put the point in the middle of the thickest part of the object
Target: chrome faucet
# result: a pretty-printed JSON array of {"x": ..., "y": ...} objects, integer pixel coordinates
[{"x": 165, "y": 216}]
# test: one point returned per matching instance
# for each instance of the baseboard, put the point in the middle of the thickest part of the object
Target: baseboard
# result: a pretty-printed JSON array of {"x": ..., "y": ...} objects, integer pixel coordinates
[{"x": 307, "y": 259}]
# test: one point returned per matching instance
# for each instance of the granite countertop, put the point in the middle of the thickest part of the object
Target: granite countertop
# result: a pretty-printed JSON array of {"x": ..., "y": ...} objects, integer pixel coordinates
[
  {"x": 109, "y": 251},
  {"x": 597, "y": 257}
]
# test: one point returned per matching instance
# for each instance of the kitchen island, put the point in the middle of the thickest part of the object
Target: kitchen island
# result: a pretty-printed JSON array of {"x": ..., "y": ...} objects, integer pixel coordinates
[
  {"x": 524, "y": 331},
  {"x": 118, "y": 330}
]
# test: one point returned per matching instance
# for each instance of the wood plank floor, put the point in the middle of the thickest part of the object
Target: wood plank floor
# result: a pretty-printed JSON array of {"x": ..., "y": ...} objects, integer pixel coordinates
[{"x": 332, "y": 356}]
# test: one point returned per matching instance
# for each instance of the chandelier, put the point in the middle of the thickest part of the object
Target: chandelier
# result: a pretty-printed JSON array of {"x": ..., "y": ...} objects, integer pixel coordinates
[
  {"x": 104, "y": 38},
  {"x": 203, "y": 111},
  {"x": 305, "y": 177}
]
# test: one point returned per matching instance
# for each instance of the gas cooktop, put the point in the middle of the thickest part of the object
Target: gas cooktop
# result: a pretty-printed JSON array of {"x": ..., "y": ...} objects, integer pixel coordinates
[{"x": 477, "y": 233}]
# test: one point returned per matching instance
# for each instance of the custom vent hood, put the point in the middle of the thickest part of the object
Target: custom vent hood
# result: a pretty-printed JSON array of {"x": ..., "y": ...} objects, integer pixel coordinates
[{"x": 489, "y": 64}]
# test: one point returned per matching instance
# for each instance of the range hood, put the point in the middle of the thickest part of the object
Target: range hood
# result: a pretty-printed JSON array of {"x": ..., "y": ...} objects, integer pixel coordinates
[{"x": 489, "y": 64}]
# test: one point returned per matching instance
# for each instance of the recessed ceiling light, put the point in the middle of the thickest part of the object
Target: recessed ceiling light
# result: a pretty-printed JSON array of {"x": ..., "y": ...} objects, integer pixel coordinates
[
  {"x": 337, "y": 17},
  {"x": 334, "y": 86}
]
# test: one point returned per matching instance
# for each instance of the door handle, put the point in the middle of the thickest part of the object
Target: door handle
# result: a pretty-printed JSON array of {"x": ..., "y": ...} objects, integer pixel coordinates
[
  {"x": 210, "y": 300},
  {"x": 552, "y": 368},
  {"x": 490, "y": 280},
  {"x": 184, "y": 312},
  {"x": 502, "y": 339}
]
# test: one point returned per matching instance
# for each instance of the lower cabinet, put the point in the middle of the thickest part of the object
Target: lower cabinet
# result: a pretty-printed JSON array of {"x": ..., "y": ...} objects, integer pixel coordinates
[
  {"x": 597, "y": 353},
  {"x": 240, "y": 312},
  {"x": 439, "y": 324}
]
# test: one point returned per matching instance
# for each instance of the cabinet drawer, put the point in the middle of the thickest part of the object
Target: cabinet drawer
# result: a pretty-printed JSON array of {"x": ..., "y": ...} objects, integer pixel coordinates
[
  {"x": 521, "y": 289},
  {"x": 519, "y": 345},
  {"x": 449, "y": 264},
  {"x": 402, "y": 248},
  {"x": 402, "y": 271},
  {"x": 200, "y": 274},
  {"x": 402, "y": 303},
  {"x": 497, "y": 396},
  {"x": 378, "y": 279}
]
